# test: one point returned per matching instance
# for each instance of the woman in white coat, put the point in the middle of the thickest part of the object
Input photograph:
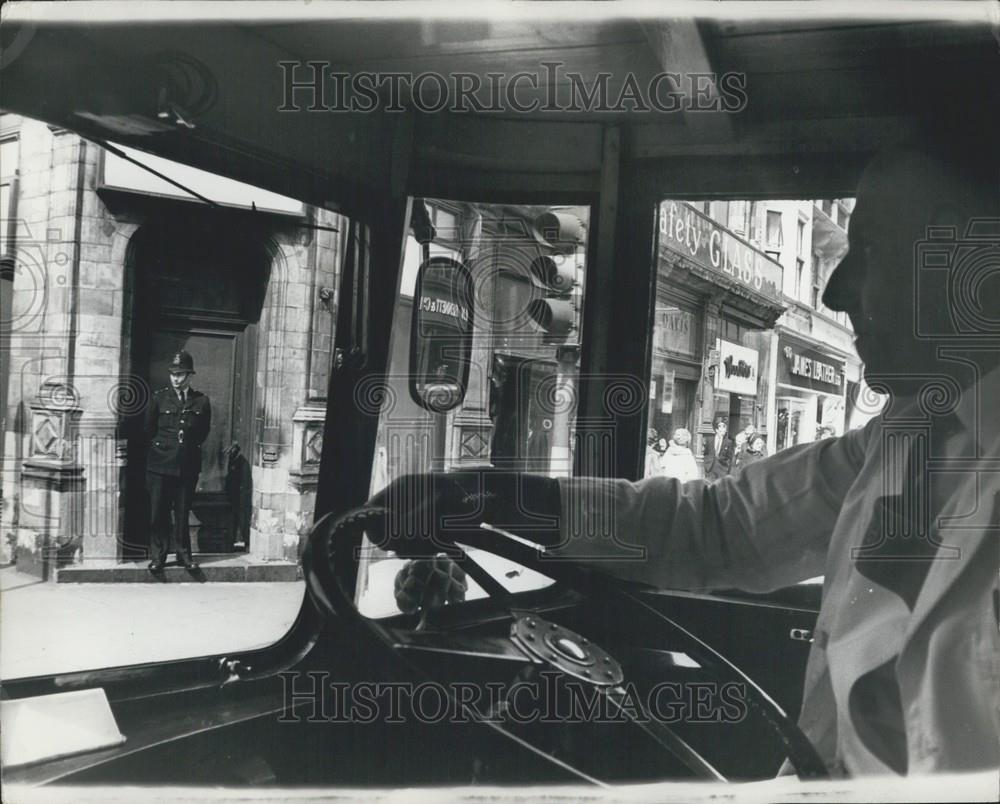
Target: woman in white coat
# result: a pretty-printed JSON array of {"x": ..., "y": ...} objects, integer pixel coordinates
[{"x": 678, "y": 460}]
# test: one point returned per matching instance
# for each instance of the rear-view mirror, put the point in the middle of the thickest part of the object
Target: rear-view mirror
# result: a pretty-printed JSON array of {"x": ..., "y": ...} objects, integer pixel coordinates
[{"x": 441, "y": 334}]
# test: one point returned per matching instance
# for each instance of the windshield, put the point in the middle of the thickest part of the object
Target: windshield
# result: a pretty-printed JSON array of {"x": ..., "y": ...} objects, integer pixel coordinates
[
  {"x": 652, "y": 210},
  {"x": 164, "y": 375},
  {"x": 528, "y": 265}
]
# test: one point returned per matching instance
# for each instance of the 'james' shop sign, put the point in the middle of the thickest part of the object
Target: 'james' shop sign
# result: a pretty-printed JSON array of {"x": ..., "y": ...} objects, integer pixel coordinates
[
  {"x": 802, "y": 367},
  {"x": 685, "y": 231}
]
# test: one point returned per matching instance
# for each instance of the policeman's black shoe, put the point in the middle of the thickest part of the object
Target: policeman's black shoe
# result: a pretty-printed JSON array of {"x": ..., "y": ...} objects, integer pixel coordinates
[
  {"x": 156, "y": 565},
  {"x": 187, "y": 562}
]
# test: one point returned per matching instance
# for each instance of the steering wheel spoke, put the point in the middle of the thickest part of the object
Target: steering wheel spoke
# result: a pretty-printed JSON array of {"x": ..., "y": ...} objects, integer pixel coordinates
[
  {"x": 330, "y": 568},
  {"x": 664, "y": 736},
  {"x": 468, "y": 646}
]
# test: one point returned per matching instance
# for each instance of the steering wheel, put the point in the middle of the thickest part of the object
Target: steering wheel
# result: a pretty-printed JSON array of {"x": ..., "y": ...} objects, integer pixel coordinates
[{"x": 330, "y": 567}]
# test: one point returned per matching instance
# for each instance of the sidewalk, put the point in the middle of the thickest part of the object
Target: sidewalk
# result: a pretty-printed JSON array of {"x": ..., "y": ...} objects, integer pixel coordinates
[
  {"x": 50, "y": 627},
  {"x": 60, "y": 627}
]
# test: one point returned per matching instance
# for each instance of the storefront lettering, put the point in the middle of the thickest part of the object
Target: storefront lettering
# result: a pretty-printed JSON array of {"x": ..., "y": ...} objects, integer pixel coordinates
[
  {"x": 737, "y": 369},
  {"x": 675, "y": 330},
  {"x": 740, "y": 368},
  {"x": 808, "y": 367},
  {"x": 685, "y": 230},
  {"x": 724, "y": 251},
  {"x": 676, "y": 322}
]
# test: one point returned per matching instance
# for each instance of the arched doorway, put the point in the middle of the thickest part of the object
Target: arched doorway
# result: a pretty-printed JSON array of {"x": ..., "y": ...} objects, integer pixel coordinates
[{"x": 199, "y": 285}]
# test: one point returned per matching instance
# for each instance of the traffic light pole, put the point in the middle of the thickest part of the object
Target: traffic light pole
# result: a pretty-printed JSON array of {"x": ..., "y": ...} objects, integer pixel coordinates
[
  {"x": 560, "y": 453},
  {"x": 440, "y": 442}
]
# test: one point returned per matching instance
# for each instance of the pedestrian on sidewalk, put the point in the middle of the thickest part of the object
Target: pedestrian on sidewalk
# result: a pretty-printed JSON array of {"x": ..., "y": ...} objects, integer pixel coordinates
[
  {"x": 678, "y": 460},
  {"x": 752, "y": 452}
]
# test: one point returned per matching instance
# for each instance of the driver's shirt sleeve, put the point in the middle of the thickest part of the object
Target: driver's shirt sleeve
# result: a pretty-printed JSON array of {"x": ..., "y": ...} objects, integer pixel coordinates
[{"x": 767, "y": 527}]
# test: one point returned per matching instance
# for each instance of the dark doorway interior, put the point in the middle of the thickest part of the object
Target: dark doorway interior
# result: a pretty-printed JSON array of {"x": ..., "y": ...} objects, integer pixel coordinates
[
  {"x": 735, "y": 410},
  {"x": 199, "y": 286}
]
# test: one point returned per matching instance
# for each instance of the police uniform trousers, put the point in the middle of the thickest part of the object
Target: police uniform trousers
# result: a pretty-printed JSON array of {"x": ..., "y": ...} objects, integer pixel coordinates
[{"x": 170, "y": 495}]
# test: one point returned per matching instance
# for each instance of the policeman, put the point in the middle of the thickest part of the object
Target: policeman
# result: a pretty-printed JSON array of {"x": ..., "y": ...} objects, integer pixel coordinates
[{"x": 177, "y": 422}]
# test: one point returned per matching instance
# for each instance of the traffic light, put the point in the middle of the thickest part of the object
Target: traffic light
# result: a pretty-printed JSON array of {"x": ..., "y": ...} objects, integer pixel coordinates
[{"x": 556, "y": 308}]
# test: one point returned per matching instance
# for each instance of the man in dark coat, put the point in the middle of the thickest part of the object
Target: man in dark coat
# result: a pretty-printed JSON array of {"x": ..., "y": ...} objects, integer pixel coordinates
[
  {"x": 177, "y": 422},
  {"x": 718, "y": 452}
]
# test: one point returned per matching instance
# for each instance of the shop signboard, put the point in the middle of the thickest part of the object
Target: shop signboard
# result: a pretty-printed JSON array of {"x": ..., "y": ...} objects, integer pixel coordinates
[
  {"x": 737, "y": 372},
  {"x": 803, "y": 367},
  {"x": 685, "y": 231},
  {"x": 675, "y": 330}
]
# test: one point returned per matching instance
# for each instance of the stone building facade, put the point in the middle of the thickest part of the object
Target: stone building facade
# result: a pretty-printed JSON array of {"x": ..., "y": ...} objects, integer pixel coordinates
[
  {"x": 813, "y": 362},
  {"x": 106, "y": 271}
]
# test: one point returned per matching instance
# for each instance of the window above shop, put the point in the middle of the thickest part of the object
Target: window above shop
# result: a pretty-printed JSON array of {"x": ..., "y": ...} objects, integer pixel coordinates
[
  {"x": 739, "y": 215},
  {"x": 773, "y": 234}
]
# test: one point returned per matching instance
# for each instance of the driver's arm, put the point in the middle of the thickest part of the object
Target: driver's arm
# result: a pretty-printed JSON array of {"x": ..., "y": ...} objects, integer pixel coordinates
[{"x": 765, "y": 528}]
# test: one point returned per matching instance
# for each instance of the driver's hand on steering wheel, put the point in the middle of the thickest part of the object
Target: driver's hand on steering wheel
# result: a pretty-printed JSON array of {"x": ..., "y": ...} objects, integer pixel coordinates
[{"x": 424, "y": 514}]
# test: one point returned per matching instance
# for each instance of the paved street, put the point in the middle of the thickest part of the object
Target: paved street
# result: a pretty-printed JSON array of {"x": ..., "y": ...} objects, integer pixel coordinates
[{"x": 49, "y": 627}]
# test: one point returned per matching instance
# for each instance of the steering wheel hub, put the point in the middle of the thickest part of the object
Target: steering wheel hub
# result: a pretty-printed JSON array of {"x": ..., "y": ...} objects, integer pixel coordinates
[{"x": 565, "y": 650}]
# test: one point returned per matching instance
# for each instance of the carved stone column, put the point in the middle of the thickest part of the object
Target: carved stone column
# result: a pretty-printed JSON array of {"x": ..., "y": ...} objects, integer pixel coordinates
[
  {"x": 303, "y": 476},
  {"x": 52, "y": 485}
]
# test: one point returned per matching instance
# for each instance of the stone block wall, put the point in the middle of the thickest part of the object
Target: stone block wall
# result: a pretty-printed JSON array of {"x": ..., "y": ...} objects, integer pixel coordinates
[
  {"x": 64, "y": 352},
  {"x": 293, "y": 368}
]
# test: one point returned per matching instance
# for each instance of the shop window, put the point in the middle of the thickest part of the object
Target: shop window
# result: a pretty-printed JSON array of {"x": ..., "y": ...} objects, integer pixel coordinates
[
  {"x": 675, "y": 330},
  {"x": 789, "y": 422}
]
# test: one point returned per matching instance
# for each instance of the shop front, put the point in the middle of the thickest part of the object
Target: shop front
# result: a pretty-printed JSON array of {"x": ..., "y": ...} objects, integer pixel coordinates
[
  {"x": 810, "y": 392},
  {"x": 737, "y": 386},
  {"x": 718, "y": 297},
  {"x": 673, "y": 385}
]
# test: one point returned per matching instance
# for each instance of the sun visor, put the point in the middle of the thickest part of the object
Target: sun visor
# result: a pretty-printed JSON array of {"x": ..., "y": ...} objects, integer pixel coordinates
[{"x": 50, "y": 726}]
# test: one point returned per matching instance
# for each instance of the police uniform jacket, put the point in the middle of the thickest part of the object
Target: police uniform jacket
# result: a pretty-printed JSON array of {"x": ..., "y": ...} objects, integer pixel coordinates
[{"x": 176, "y": 431}]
